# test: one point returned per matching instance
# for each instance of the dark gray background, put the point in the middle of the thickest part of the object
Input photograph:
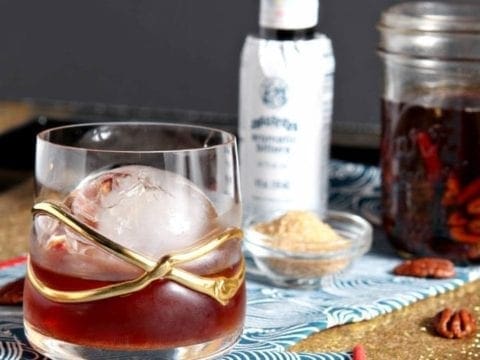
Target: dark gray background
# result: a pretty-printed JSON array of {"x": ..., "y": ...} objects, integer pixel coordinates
[{"x": 171, "y": 54}]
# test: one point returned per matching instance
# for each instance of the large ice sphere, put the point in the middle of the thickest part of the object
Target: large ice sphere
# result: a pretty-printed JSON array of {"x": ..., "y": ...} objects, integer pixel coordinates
[{"x": 149, "y": 210}]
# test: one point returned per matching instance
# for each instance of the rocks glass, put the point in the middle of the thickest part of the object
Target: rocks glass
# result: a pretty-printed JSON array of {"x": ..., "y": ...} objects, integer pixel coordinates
[{"x": 135, "y": 249}]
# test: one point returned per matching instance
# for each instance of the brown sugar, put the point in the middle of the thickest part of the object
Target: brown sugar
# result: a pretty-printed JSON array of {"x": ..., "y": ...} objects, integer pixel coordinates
[{"x": 301, "y": 231}]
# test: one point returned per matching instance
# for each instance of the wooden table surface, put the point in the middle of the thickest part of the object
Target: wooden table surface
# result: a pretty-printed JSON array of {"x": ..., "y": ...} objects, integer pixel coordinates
[{"x": 403, "y": 334}]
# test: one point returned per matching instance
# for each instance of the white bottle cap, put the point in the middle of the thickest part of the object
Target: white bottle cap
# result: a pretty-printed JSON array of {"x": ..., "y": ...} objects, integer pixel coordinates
[{"x": 288, "y": 14}]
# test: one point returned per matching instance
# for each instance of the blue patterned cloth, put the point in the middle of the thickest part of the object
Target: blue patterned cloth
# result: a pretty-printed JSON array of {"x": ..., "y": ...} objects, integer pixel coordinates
[{"x": 278, "y": 318}]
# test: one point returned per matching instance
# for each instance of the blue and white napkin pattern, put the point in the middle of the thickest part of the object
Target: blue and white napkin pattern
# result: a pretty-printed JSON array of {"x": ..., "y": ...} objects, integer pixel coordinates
[{"x": 278, "y": 318}]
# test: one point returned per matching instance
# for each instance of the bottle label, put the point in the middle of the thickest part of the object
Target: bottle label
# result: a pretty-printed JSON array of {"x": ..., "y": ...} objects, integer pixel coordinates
[
  {"x": 288, "y": 14},
  {"x": 286, "y": 91}
]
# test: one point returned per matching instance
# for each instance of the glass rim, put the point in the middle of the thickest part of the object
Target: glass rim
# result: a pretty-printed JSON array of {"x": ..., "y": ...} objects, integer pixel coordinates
[
  {"x": 230, "y": 139},
  {"x": 432, "y": 16},
  {"x": 432, "y": 30}
]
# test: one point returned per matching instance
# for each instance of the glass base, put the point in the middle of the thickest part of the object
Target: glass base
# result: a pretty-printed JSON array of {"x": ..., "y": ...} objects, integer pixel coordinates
[{"x": 58, "y": 349}]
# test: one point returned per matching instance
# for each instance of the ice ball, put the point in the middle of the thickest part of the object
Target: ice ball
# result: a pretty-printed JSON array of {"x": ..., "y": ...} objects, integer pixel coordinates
[{"x": 149, "y": 210}]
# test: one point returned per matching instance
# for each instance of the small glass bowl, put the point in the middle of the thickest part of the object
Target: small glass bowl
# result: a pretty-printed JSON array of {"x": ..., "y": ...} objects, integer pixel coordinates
[{"x": 306, "y": 269}]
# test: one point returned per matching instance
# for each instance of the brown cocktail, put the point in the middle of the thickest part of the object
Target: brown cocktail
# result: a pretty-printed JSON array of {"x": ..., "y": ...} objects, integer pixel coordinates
[{"x": 135, "y": 253}]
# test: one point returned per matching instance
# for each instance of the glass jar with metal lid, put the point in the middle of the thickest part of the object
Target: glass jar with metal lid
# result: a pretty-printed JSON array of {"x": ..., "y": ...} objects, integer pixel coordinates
[{"x": 430, "y": 148}]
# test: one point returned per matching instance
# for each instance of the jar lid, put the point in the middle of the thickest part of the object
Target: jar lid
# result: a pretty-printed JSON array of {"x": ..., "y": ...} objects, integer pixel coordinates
[{"x": 432, "y": 30}]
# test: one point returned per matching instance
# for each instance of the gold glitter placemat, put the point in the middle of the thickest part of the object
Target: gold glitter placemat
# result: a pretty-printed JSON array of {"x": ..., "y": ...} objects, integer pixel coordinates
[
  {"x": 13, "y": 114},
  {"x": 406, "y": 334},
  {"x": 15, "y": 218}
]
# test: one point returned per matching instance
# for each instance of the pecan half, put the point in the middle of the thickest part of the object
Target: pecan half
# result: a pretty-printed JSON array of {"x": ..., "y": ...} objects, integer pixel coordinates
[
  {"x": 12, "y": 293},
  {"x": 426, "y": 267},
  {"x": 454, "y": 324}
]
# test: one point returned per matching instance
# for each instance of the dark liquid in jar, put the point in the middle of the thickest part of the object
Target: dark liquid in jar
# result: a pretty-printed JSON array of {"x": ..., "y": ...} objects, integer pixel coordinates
[{"x": 431, "y": 175}]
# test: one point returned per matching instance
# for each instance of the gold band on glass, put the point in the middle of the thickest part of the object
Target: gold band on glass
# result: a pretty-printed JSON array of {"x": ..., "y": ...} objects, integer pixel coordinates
[{"x": 220, "y": 288}]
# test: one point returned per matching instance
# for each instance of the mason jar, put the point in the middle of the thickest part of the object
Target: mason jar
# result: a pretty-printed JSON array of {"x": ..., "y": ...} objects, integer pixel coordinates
[{"x": 430, "y": 147}]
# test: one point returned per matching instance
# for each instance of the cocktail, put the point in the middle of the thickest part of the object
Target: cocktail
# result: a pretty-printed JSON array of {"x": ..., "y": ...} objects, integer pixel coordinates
[{"x": 135, "y": 249}]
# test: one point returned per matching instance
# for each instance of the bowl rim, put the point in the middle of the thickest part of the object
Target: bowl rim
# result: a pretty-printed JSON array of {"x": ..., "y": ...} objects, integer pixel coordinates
[{"x": 359, "y": 245}]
